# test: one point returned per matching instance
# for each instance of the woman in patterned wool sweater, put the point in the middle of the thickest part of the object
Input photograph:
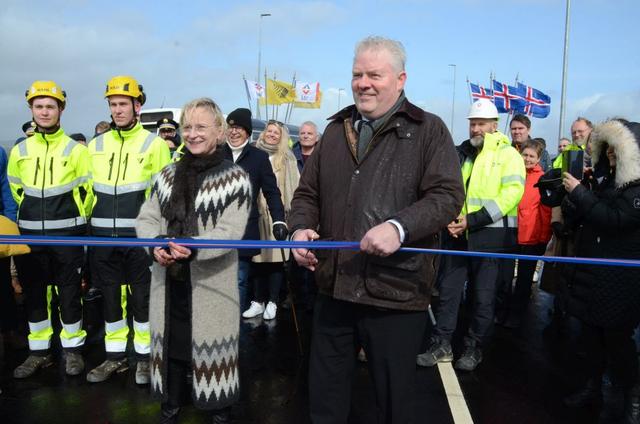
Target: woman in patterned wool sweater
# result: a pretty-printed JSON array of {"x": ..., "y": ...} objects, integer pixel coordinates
[{"x": 194, "y": 310}]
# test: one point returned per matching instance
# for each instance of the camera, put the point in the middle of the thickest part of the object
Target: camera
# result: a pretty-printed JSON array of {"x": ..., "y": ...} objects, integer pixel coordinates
[{"x": 573, "y": 163}]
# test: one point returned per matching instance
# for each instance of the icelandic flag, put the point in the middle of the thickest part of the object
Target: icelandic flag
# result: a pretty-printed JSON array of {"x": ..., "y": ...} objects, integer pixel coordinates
[
  {"x": 507, "y": 98},
  {"x": 537, "y": 104},
  {"x": 478, "y": 92}
]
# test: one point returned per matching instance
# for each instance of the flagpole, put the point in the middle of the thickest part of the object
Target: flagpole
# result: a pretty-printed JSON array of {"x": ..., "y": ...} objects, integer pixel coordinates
[
  {"x": 247, "y": 90},
  {"x": 469, "y": 90},
  {"x": 266, "y": 98},
  {"x": 287, "y": 115},
  {"x": 565, "y": 65},
  {"x": 274, "y": 109},
  {"x": 262, "y": 15},
  {"x": 453, "y": 100}
]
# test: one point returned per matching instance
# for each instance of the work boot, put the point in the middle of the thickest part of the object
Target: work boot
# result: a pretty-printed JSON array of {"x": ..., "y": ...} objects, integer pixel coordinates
[
  {"x": 74, "y": 364},
  {"x": 103, "y": 371},
  {"x": 590, "y": 395},
  {"x": 470, "y": 359},
  {"x": 169, "y": 414},
  {"x": 142, "y": 372},
  {"x": 221, "y": 416},
  {"x": 439, "y": 350},
  {"x": 632, "y": 406},
  {"x": 31, "y": 365}
]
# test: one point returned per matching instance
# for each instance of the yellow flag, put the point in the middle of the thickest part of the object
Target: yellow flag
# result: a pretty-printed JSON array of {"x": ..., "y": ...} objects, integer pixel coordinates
[
  {"x": 278, "y": 93},
  {"x": 308, "y": 105}
]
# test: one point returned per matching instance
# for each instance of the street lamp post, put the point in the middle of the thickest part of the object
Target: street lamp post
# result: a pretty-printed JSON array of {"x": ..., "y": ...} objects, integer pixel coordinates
[
  {"x": 453, "y": 100},
  {"x": 262, "y": 15},
  {"x": 340, "y": 90},
  {"x": 565, "y": 65}
]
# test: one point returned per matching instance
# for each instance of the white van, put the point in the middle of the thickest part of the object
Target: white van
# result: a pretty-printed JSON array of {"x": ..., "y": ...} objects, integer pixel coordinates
[{"x": 149, "y": 117}]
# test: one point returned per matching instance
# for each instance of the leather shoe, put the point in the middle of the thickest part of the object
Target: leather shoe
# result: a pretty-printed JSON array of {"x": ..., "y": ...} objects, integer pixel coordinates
[
  {"x": 169, "y": 414},
  {"x": 590, "y": 395},
  {"x": 221, "y": 416}
]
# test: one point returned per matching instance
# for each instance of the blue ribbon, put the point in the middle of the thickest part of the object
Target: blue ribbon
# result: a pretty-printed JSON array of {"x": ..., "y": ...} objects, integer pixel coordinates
[{"x": 271, "y": 244}]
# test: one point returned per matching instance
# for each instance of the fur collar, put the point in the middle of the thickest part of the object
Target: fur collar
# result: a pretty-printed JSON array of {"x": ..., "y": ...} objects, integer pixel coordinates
[{"x": 625, "y": 139}]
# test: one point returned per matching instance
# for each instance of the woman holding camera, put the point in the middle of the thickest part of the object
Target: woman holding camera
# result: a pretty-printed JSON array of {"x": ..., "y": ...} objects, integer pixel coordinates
[{"x": 607, "y": 298}]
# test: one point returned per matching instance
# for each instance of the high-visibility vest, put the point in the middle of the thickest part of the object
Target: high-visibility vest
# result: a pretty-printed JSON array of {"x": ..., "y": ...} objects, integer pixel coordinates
[
  {"x": 557, "y": 162},
  {"x": 50, "y": 181},
  {"x": 495, "y": 180},
  {"x": 178, "y": 153},
  {"x": 123, "y": 165}
]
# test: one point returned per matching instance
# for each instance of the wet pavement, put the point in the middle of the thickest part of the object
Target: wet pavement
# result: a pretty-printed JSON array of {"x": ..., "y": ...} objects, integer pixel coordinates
[{"x": 522, "y": 379}]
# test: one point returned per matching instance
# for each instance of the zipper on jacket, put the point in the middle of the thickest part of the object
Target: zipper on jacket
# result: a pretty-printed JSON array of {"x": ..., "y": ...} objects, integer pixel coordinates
[
  {"x": 126, "y": 163},
  {"x": 51, "y": 170},
  {"x": 44, "y": 179},
  {"x": 35, "y": 176},
  {"x": 111, "y": 165},
  {"x": 114, "y": 232}
]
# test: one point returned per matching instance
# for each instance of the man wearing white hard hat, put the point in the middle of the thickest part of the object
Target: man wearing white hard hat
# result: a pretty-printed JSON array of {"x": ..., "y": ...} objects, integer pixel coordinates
[{"x": 493, "y": 173}]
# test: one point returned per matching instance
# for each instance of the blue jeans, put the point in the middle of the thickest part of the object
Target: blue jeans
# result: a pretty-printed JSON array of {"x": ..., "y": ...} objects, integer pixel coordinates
[{"x": 244, "y": 274}]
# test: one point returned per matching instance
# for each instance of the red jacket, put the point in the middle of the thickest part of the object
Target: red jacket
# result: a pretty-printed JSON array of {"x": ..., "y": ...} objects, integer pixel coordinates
[{"x": 534, "y": 218}]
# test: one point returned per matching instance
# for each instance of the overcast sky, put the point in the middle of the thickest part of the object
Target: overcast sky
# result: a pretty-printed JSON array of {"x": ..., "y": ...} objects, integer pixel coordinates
[{"x": 182, "y": 50}]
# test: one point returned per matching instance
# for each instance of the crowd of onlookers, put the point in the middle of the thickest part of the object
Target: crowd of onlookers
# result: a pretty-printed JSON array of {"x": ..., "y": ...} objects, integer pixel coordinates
[
  {"x": 386, "y": 174},
  {"x": 582, "y": 203}
]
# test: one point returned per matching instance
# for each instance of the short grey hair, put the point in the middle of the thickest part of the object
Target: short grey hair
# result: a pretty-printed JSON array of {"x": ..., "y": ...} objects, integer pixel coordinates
[
  {"x": 310, "y": 123},
  {"x": 377, "y": 43}
]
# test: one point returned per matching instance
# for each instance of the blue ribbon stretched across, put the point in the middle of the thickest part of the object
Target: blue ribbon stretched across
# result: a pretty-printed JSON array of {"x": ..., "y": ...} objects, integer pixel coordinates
[{"x": 270, "y": 244}]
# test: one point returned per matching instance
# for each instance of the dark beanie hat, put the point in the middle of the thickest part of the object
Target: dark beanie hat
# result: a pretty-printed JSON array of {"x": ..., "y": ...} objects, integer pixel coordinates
[{"x": 242, "y": 118}]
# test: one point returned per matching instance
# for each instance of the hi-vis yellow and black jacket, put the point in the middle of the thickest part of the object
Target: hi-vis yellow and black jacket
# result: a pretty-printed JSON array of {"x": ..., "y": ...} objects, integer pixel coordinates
[
  {"x": 494, "y": 184},
  {"x": 123, "y": 166},
  {"x": 49, "y": 179}
]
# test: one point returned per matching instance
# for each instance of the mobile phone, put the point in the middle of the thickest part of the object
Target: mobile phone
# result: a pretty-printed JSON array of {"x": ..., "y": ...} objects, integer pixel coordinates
[{"x": 573, "y": 163}]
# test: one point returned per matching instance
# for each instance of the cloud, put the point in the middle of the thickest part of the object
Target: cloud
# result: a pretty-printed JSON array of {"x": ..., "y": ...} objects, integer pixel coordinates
[{"x": 203, "y": 52}]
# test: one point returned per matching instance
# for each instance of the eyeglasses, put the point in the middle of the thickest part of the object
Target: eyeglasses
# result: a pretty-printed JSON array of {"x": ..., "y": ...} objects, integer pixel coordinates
[
  {"x": 273, "y": 121},
  {"x": 233, "y": 128},
  {"x": 198, "y": 129}
]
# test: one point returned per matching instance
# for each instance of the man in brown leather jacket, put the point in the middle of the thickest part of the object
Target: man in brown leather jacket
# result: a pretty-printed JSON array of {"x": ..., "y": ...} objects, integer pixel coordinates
[{"x": 386, "y": 174}]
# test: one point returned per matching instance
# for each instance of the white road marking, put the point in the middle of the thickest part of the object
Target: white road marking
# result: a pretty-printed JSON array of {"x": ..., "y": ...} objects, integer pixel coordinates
[{"x": 455, "y": 397}]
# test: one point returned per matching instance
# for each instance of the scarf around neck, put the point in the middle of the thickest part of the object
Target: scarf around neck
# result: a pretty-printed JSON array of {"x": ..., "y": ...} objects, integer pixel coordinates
[
  {"x": 180, "y": 211},
  {"x": 272, "y": 149}
]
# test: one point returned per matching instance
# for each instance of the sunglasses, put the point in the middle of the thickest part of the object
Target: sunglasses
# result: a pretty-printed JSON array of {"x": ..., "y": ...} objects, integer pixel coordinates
[{"x": 273, "y": 121}]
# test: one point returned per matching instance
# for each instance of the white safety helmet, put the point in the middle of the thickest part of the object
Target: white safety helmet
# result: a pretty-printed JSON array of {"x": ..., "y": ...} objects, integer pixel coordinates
[{"x": 483, "y": 108}]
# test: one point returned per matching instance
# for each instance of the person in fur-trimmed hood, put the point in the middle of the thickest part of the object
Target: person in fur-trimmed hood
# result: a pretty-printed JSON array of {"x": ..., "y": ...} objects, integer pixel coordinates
[
  {"x": 194, "y": 310},
  {"x": 606, "y": 298}
]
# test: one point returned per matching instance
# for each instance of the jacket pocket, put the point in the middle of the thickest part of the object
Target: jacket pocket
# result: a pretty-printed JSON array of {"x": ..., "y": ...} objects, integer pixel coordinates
[{"x": 396, "y": 277}]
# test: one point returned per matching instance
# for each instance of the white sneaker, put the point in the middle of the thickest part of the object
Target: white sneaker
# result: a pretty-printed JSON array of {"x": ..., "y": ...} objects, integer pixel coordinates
[
  {"x": 270, "y": 311},
  {"x": 254, "y": 310}
]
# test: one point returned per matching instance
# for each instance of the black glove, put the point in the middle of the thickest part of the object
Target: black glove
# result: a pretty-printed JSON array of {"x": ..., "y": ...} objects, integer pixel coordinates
[{"x": 280, "y": 231}]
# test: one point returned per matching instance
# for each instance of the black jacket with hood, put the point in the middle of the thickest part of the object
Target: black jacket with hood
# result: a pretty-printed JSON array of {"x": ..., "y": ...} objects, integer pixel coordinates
[{"x": 608, "y": 226}]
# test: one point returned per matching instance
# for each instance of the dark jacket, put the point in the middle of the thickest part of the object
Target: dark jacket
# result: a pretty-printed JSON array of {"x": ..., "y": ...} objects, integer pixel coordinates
[
  {"x": 608, "y": 226},
  {"x": 8, "y": 206},
  {"x": 297, "y": 152},
  {"x": 409, "y": 173},
  {"x": 256, "y": 163}
]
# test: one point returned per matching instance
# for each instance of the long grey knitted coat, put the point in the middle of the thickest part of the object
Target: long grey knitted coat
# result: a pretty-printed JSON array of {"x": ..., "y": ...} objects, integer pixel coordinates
[{"x": 222, "y": 205}]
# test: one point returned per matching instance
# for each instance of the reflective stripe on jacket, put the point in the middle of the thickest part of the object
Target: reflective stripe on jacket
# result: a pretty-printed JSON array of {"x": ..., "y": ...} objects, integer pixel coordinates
[
  {"x": 494, "y": 184},
  {"x": 123, "y": 165},
  {"x": 50, "y": 181}
]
